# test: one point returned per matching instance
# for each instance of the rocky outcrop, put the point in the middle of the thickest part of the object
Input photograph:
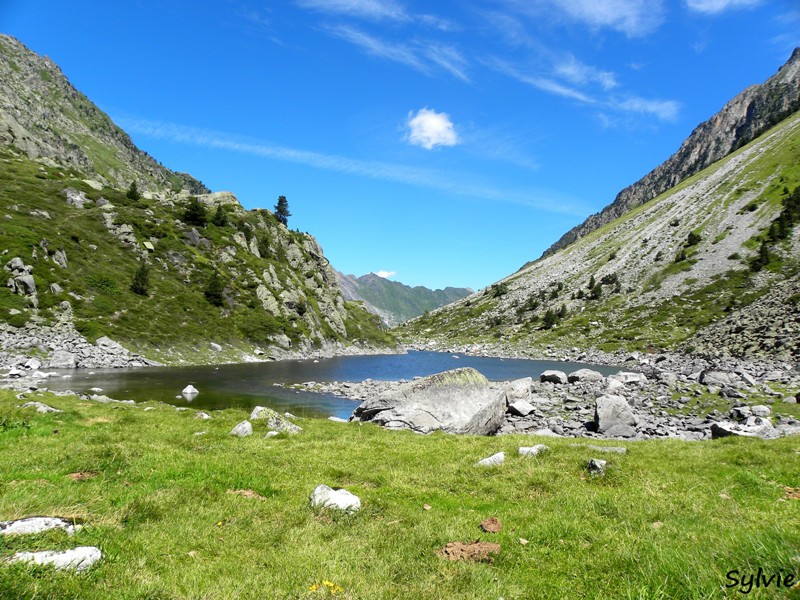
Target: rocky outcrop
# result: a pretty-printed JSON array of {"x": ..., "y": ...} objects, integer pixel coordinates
[
  {"x": 740, "y": 121},
  {"x": 457, "y": 401},
  {"x": 62, "y": 347},
  {"x": 44, "y": 116}
]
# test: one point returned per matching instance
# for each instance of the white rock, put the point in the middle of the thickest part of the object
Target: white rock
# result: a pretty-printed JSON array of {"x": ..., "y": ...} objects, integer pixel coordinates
[
  {"x": 33, "y": 525},
  {"x": 761, "y": 410},
  {"x": 272, "y": 434},
  {"x": 533, "y": 450},
  {"x": 202, "y": 416},
  {"x": 190, "y": 390},
  {"x": 521, "y": 408},
  {"x": 41, "y": 408},
  {"x": 546, "y": 433},
  {"x": 216, "y": 347},
  {"x": 78, "y": 559},
  {"x": 326, "y": 497},
  {"x": 243, "y": 429},
  {"x": 493, "y": 460},
  {"x": 338, "y": 420}
]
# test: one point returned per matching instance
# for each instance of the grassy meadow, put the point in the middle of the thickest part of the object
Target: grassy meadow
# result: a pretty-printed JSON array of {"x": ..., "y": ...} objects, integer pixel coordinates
[{"x": 182, "y": 515}]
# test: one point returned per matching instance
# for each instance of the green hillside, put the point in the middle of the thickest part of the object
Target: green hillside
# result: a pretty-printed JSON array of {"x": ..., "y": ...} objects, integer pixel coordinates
[{"x": 707, "y": 251}]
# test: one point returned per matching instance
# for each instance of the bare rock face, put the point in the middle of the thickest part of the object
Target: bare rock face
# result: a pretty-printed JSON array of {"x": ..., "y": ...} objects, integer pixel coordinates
[
  {"x": 457, "y": 401},
  {"x": 743, "y": 119}
]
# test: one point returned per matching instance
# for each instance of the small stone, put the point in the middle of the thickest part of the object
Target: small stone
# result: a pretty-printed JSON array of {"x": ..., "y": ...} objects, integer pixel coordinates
[
  {"x": 596, "y": 466},
  {"x": 190, "y": 390},
  {"x": 243, "y": 429},
  {"x": 523, "y": 542},
  {"x": 326, "y": 497},
  {"x": 426, "y": 507},
  {"x": 34, "y": 525},
  {"x": 533, "y": 450},
  {"x": 78, "y": 559},
  {"x": 521, "y": 408},
  {"x": 202, "y": 416},
  {"x": 492, "y": 461},
  {"x": 41, "y": 408}
]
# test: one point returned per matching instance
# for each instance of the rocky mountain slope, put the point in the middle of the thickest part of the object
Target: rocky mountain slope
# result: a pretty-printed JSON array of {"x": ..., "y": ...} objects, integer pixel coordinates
[
  {"x": 712, "y": 266},
  {"x": 393, "y": 301},
  {"x": 740, "y": 121},
  {"x": 172, "y": 273}
]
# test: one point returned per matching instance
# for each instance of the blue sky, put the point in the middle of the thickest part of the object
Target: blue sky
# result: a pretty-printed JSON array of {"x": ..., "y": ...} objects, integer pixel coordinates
[{"x": 443, "y": 143}]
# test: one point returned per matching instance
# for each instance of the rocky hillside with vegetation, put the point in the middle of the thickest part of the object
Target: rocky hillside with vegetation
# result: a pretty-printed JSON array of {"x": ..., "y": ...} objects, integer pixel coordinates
[
  {"x": 100, "y": 241},
  {"x": 711, "y": 266},
  {"x": 393, "y": 301},
  {"x": 743, "y": 119}
]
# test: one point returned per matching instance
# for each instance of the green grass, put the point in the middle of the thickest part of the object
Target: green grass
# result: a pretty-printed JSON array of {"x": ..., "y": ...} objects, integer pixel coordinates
[
  {"x": 669, "y": 520},
  {"x": 175, "y": 314}
]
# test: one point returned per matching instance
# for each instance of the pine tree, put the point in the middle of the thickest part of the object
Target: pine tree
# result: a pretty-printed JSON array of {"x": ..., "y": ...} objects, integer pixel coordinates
[
  {"x": 195, "y": 213},
  {"x": 282, "y": 210},
  {"x": 133, "y": 192},
  {"x": 214, "y": 289},
  {"x": 141, "y": 280},
  {"x": 220, "y": 218}
]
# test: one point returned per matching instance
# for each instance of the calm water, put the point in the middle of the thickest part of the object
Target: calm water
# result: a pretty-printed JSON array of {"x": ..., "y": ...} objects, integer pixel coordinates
[{"x": 251, "y": 384}]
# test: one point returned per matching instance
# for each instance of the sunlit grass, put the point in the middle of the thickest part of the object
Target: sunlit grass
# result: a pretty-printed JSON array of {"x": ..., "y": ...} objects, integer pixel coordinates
[{"x": 669, "y": 519}]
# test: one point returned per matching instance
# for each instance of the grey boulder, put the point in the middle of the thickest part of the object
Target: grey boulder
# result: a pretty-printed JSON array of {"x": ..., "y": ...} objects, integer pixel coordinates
[
  {"x": 274, "y": 420},
  {"x": 584, "y": 376},
  {"x": 457, "y": 401},
  {"x": 326, "y": 497},
  {"x": 553, "y": 376},
  {"x": 242, "y": 429},
  {"x": 613, "y": 416}
]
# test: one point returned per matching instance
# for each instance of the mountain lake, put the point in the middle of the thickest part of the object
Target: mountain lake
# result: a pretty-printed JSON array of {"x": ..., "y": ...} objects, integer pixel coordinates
[{"x": 246, "y": 385}]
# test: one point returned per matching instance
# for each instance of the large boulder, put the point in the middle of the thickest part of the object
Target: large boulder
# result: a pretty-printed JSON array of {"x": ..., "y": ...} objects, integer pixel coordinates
[
  {"x": 553, "y": 376},
  {"x": 584, "y": 376},
  {"x": 457, "y": 401},
  {"x": 61, "y": 359},
  {"x": 614, "y": 417},
  {"x": 77, "y": 559},
  {"x": 713, "y": 377},
  {"x": 274, "y": 420}
]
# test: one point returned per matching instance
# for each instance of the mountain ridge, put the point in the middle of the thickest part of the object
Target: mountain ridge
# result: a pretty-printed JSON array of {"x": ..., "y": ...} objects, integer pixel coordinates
[
  {"x": 742, "y": 119},
  {"x": 393, "y": 301}
]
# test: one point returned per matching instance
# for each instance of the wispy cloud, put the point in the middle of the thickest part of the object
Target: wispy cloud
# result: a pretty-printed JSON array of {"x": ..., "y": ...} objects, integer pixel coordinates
[
  {"x": 425, "y": 57},
  {"x": 448, "y": 58},
  {"x": 384, "y": 274},
  {"x": 543, "y": 83},
  {"x": 713, "y": 7},
  {"x": 455, "y": 183},
  {"x": 664, "y": 110},
  {"x": 578, "y": 73},
  {"x": 634, "y": 18},
  {"x": 395, "y": 52},
  {"x": 376, "y": 10},
  {"x": 430, "y": 129}
]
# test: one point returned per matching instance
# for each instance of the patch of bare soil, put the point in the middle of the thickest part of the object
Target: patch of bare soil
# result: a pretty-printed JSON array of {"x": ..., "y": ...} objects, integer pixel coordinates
[
  {"x": 247, "y": 494},
  {"x": 477, "y": 551},
  {"x": 82, "y": 475},
  {"x": 491, "y": 525}
]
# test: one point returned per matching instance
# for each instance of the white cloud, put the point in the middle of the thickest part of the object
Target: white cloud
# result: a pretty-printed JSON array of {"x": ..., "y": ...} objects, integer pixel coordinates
[
  {"x": 713, "y": 7},
  {"x": 384, "y": 274},
  {"x": 376, "y": 10},
  {"x": 579, "y": 73},
  {"x": 430, "y": 129},
  {"x": 635, "y": 18},
  {"x": 664, "y": 110}
]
